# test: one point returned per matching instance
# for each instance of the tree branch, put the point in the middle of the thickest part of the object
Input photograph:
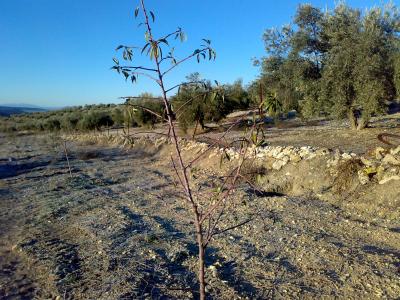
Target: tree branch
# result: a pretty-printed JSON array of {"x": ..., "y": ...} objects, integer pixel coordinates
[
  {"x": 185, "y": 59},
  {"x": 182, "y": 84},
  {"x": 233, "y": 227},
  {"x": 138, "y": 68},
  {"x": 215, "y": 143},
  {"x": 147, "y": 109},
  {"x": 170, "y": 34},
  {"x": 148, "y": 76}
]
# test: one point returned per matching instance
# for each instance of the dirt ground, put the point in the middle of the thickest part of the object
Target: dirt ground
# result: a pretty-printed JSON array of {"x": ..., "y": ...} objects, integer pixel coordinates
[{"x": 116, "y": 229}]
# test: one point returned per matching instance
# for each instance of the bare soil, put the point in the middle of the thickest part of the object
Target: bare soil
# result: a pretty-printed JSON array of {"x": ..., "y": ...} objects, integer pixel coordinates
[{"x": 117, "y": 229}]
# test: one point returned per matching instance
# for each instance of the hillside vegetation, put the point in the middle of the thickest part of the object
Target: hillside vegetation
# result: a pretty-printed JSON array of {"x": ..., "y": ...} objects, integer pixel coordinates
[{"x": 342, "y": 64}]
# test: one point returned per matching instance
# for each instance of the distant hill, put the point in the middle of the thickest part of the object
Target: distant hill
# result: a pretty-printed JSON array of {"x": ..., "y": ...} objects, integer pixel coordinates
[
  {"x": 6, "y": 111},
  {"x": 20, "y": 104}
]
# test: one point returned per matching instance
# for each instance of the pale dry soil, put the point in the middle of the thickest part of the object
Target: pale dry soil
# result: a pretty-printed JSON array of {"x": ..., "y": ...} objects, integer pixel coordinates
[{"x": 118, "y": 229}]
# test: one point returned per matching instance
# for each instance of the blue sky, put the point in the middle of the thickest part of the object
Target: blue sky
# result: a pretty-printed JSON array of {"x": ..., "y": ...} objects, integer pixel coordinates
[{"x": 59, "y": 52}]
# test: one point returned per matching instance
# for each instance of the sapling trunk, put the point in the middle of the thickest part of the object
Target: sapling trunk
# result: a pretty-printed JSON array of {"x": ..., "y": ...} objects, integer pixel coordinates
[
  {"x": 201, "y": 261},
  {"x": 181, "y": 169}
]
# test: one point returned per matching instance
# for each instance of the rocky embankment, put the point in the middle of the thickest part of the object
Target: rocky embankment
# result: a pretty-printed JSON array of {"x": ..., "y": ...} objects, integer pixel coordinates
[
  {"x": 379, "y": 166},
  {"x": 361, "y": 181}
]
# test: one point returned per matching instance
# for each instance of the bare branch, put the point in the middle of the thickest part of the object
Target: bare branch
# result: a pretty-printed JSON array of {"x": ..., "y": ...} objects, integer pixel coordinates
[
  {"x": 229, "y": 190},
  {"x": 140, "y": 97},
  {"x": 212, "y": 228},
  {"x": 222, "y": 196},
  {"x": 185, "y": 59},
  {"x": 138, "y": 68},
  {"x": 233, "y": 227},
  {"x": 170, "y": 34},
  {"x": 165, "y": 58},
  {"x": 147, "y": 75},
  {"x": 182, "y": 84},
  {"x": 215, "y": 143},
  {"x": 176, "y": 171},
  {"x": 146, "y": 109}
]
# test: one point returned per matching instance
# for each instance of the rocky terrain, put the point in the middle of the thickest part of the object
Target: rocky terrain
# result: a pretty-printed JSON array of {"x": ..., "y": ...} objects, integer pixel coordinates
[{"x": 325, "y": 225}]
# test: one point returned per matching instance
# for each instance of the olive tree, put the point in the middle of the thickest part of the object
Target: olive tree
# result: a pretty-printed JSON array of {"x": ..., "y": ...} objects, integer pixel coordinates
[{"x": 342, "y": 62}]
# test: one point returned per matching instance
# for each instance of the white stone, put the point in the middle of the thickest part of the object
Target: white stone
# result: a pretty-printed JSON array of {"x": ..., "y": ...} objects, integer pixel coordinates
[
  {"x": 311, "y": 156},
  {"x": 391, "y": 160},
  {"x": 295, "y": 158},
  {"x": 366, "y": 162},
  {"x": 277, "y": 165},
  {"x": 346, "y": 156},
  {"x": 389, "y": 178},
  {"x": 395, "y": 151},
  {"x": 379, "y": 153},
  {"x": 362, "y": 177}
]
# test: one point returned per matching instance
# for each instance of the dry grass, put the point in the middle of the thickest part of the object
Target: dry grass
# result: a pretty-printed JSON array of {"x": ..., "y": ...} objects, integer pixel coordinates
[
  {"x": 347, "y": 174},
  {"x": 251, "y": 171}
]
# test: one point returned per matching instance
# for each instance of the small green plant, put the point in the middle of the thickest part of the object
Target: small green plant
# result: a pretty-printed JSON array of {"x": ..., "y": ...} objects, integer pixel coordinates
[{"x": 272, "y": 104}]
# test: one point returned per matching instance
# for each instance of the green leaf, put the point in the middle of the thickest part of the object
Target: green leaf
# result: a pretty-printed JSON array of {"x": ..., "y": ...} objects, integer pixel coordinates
[
  {"x": 119, "y": 47},
  {"x": 126, "y": 74},
  {"x": 133, "y": 78},
  {"x": 164, "y": 41},
  {"x": 227, "y": 155},
  {"x": 152, "y": 16},
  {"x": 254, "y": 138},
  {"x": 144, "y": 48},
  {"x": 116, "y": 61},
  {"x": 213, "y": 96},
  {"x": 130, "y": 53},
  {"x": 160, "y": 51},
  {"x": 136, "y": 11},
  {"x": 182, "y": 36}
]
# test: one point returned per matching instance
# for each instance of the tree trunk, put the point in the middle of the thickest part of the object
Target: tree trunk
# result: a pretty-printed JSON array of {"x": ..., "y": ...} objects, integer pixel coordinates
[
  {"x": 352, "y": 119},
  {"x": 195, "y": 129},
  {"x": 362, "y": 123},
  {"x": 201, "y": 272},
  {"x": 357, "y": 123},
  {"x": 260, "y": 106}
]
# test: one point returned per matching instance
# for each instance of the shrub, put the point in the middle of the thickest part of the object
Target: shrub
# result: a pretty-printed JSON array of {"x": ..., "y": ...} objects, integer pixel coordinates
[
  {"x": 52, "y": 124},
  {"x": 197, "y": 103},
  {"x": 146, "y": 118},
  {"x": 117, "y": 116},
  {"x": 7, "y": 128},
  {"x": 70, "y": 121},
  {"x": 95, "y": 120}
]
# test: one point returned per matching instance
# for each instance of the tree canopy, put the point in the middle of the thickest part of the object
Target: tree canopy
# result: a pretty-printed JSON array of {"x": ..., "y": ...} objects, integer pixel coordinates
[{"x": 340, "y": 63}]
